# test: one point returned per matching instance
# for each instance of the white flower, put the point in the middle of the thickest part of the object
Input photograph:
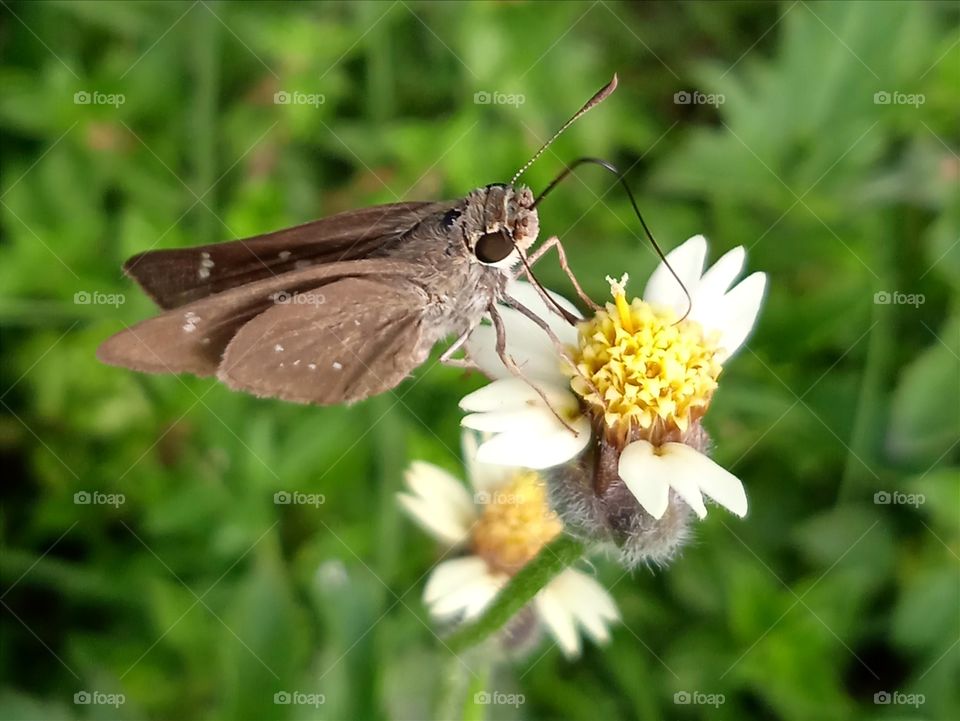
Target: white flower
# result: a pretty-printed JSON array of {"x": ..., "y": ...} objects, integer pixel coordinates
[
  {"x": 645, "y": 376},
  {"x": 504, "y": 523}
]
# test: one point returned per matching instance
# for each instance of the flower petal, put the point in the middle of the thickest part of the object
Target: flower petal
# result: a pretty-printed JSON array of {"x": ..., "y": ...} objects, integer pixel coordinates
[
  {"x": 482, "y": 476},
  {"x": 532, "y": 420},
  {"x": 739, "y": 311},
  {"x": 687, "y": 261},
  {"x": 588, "y": 601},
  {"x": 516, "y": 393},
  {"x": 536, "y": 451},
  {"x": 461, "y": 586},
  {"x": 640, "y": 468},
  {"x": 527, "y": 343},
  {"x": 714, "y": 480},
  {"x": 719, "y": 277},
  {"x": 559, "y": 620},
  {"x": 450, "y": 575},
  {"x": 439, "y": 502}
]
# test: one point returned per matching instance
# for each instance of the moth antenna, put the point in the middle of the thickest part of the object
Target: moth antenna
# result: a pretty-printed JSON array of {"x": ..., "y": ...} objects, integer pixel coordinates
[
  {"x": 598, "y": 98},
  {"x": 623, "y": 182}
]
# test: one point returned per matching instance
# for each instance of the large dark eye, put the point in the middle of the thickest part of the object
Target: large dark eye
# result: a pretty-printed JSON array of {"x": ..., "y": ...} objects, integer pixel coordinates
[{"x": 493, "y": 247}]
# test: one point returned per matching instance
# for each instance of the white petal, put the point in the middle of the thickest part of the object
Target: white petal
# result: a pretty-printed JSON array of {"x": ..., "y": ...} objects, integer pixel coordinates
[
  {"x": 441, "y": 525},
  {"x": 536, "y": 451},
  {"x": 714, "y": 480},
  {"x": 483, "y": 476},
  {"x": 589, "y": 602},
  {"x": 687, "y": 261},
  {"x": 450, "y": 575},
  {"x": 440, "y": 489},
  {"x": 719, "y": 277},
  {"x": 527, "y": 295},
  {"x": 640, "y": 468},
  {"x": 467, "y": 591},
  {"x": 558, "y": 620},
  {"x": 528, "y": 344},
  {"x": 739, "y": 311},
  {"x": 532, "y": 419},
  {"x": 516, "y": 393}
]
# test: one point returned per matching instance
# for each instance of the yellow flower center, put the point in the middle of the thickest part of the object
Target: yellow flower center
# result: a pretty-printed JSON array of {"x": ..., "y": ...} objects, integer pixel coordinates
[
  {"x": 515, "y": 524},
  {"x": 638, "y": 365}
]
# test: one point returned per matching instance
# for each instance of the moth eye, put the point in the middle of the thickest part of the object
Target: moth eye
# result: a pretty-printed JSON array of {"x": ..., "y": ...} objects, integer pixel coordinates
[
  {"x": 450, "y": 217},
  {"x": 493, "y": 247}
]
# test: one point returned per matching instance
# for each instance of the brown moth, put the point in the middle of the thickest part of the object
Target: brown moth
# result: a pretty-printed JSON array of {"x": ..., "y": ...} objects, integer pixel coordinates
[{"x": 340, "y": 309}]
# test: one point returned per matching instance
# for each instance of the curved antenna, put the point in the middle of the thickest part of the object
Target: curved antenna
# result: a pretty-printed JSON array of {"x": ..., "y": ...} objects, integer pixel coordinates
[
  {"x": 598, "y": 98},
  {"x": 610, "y": 167}
]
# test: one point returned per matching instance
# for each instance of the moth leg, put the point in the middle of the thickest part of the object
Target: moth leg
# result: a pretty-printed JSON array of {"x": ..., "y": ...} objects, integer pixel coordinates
[
  {"x": 554, "y": 242},
  {"x": 512, "y": 366},
  {"x": 557, "y": 343},
  {"x": 447, "y": 359}
]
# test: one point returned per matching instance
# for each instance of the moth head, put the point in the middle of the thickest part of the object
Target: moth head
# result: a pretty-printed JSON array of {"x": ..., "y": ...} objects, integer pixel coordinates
[{"x": 508, "y": 225}]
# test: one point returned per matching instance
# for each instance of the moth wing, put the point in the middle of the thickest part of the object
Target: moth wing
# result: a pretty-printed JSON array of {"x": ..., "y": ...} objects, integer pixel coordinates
[
  {"x": 175, "y": 277},
  {"x": 364, "y": 338},
  {"x": 193, "y": 337}
]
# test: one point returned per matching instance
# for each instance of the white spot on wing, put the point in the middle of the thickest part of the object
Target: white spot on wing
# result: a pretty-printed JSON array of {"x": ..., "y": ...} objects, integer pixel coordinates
[
  {"x": 312, "y": 366},
  {"x": 278, "y": 348},
  {"x": 283, "y": 254},
  {"x": 337, "y": 365},
  {"x": 206, "y": 263},
  {"x": 301, "y": 264},
  {"x": 190, "y": 321}
]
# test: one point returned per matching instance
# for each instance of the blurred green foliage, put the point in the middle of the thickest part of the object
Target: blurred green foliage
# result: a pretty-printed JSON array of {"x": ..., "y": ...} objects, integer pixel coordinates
[{"x": 198, "y": 597}]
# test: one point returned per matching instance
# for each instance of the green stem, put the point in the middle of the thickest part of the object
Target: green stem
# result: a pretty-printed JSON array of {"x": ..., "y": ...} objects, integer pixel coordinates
[{"x": 519, "y": 591}]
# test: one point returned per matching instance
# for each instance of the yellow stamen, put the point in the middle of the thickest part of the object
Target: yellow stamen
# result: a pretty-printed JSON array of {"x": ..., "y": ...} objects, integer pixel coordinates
[
  {"x": 515, "y": 524},
  {"x": 639, "y": 366}
]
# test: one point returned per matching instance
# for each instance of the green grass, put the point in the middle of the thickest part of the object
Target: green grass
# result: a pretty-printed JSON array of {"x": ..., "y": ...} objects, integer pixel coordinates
[{"x": 199, "y": 598}]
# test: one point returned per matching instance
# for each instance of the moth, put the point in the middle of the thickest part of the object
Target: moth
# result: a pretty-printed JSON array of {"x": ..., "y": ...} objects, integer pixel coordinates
[{"x": 343, "y": 308}]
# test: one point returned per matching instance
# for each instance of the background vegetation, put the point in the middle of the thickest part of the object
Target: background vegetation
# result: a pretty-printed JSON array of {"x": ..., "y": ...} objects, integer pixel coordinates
[{"x": 199, "y": 598}]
